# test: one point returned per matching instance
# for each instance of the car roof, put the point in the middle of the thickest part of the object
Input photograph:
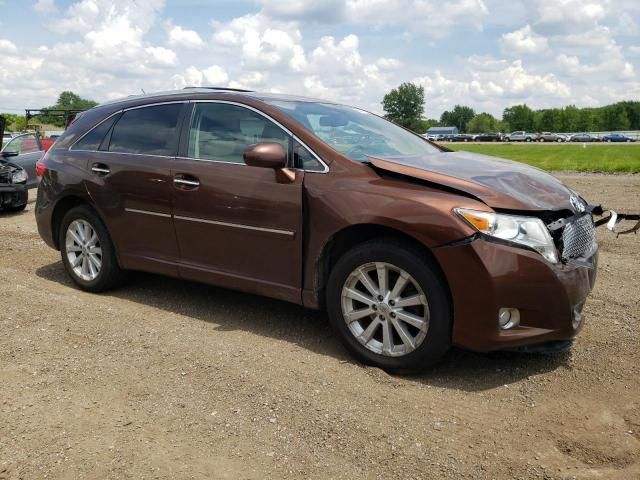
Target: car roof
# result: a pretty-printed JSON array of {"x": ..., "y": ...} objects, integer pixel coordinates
[{"x": 190, "y": 92}]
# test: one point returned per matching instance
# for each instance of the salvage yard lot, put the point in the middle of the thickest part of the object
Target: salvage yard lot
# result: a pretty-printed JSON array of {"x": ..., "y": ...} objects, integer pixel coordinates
[
  {"x": 595, "y": 157},
  {"x": 170, "y": 379}
]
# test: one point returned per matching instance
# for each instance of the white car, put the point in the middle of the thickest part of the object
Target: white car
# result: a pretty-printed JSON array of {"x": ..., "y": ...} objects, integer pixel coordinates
[
  {"x": 521, "y": 136},
  {"x": 6, "y": 138}
]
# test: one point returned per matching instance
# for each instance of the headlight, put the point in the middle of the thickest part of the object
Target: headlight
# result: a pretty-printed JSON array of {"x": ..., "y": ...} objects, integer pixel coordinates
[
  {"x": 19, "y": 176},
  {"x": 528, "y": 231}
]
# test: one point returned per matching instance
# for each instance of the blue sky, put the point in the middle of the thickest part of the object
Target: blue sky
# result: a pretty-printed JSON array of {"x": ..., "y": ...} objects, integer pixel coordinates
[{"x": 484, "y": 53}]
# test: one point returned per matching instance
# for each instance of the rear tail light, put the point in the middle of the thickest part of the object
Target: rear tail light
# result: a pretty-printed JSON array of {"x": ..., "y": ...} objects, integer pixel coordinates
[{"x": 41, "y": 168}]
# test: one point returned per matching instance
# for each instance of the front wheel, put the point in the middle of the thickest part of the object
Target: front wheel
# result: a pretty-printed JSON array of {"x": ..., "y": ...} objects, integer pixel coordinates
[
  {"x": 389, "y": 305},
  {"x": 88, "y": 254}
]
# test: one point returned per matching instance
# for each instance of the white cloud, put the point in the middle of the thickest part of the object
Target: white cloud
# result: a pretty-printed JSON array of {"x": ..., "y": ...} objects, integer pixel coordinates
[
  {"x": 162, "y": 56},
  {"x": 492, "y": 88},
  {"x": 484, "y": 53},
  {"x": 431, "y": 18},
  {"x": 45, "y": 7},
  {"x": 179, "y": 37},
  {"x": 7, "y": 46},
  {"x": 524, "y": 41},
  {"x": 214, "y": 76},
  {"x": 262, "y": 43}
]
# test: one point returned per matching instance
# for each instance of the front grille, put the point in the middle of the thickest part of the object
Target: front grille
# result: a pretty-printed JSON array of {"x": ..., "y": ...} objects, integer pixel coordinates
[
  {"x": 5, "y": 174},
  {"x": 579, "y": 239}
]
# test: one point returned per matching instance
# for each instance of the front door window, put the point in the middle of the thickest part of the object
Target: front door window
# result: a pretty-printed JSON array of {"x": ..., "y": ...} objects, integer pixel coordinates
[{"x": 220, "y": 132}]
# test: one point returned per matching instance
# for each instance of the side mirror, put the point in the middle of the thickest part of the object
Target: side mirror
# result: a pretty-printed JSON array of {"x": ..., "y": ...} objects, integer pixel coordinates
[
  {"x": 9, "y": 154},
  {"x": 266, "y": 155}
]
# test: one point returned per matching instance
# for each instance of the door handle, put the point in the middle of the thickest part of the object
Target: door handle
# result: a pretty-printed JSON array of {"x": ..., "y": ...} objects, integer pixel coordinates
[
  {"x": 186, "y": 182},
  {"x": 100, "y": 169}
]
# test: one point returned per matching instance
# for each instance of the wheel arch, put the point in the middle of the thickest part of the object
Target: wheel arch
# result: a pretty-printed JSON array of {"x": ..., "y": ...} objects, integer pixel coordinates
[
  {"x": 353, "y": 235},
  {"x": 61, "y": 208}
]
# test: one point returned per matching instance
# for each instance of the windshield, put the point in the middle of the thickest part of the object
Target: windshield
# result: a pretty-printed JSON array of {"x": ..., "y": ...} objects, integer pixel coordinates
[{"x": 353, "y": 132}]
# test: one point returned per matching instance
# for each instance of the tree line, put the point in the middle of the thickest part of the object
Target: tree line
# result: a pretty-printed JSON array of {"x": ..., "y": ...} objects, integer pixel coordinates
[
  {"x": 66, "y": 101},
  {"x": 405, "y": 106}
]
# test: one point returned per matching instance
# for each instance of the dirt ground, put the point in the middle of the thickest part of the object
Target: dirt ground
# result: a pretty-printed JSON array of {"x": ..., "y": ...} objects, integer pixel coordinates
[{"x": 170, "y": 379}]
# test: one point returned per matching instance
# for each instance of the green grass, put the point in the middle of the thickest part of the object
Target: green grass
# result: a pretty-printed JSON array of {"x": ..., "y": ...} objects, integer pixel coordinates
[{"x": 594, "y": 158}]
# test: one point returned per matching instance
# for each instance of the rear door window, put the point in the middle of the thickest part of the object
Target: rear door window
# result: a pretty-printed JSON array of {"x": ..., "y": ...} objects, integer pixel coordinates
[
  {"x": 221, "y": 132},
  {"x": 149, "y": 130}
]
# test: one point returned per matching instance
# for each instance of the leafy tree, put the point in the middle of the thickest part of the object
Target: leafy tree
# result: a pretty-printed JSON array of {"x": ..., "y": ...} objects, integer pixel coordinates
[
  {"x": 482, "y": 123},
  {"x": 15, "y": 123},
  {"x": 67, "y": 101},
  {"x": 405, "y": 106},
  {"x": 519, "y": 117},
  {"x": 458, "y": 117}
]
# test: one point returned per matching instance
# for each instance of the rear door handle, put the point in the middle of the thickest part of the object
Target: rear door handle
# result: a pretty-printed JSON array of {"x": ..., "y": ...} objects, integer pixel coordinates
[
  {"x": 186, "y": 182},
  {"x": 100, "y": 169}
]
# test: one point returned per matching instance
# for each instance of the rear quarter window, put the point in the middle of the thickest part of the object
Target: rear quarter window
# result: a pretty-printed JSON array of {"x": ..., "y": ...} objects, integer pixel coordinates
[{"x": 92, "y": 140}]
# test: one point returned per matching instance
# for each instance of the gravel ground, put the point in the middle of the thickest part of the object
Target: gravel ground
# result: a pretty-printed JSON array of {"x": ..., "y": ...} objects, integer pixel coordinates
[{"x": 170, "y": 379}]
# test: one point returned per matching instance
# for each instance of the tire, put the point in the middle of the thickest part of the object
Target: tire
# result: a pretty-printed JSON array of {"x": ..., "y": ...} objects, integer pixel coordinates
[
  {"x": 425, "y": 282},
  {"x": 108, "y": 275},
  {"x": 528, "y": 139},
  {"x": 559, "y": 140}
]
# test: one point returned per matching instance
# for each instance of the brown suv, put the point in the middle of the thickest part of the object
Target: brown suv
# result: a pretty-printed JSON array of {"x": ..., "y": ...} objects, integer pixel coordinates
[{"x": 409, "y": 247}]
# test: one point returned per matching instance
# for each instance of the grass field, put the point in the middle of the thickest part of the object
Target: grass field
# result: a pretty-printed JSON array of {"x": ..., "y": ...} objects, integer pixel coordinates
[{"x": 593, "y": 158}]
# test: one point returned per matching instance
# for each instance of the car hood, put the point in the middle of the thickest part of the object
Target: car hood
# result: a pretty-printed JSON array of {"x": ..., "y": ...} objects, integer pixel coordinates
[{"x": 499, "y": 183}]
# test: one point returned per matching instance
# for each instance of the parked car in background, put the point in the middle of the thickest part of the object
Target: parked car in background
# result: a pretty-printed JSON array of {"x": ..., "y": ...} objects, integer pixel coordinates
[
  {"x": 550, "y": 137},
  {"x": 583, "y": 137},
  {"x": 25, "y": 150},
  {"x": 409, "y": 247},
  {"x": 520, "y": 136},
  {"x": 13, "y": 190},
  {"x": 617, "y": 137},
  {"x": 488, "y": 137},
  {"x": 461, "y": 137},
  {"x": 6, "y": 137}
]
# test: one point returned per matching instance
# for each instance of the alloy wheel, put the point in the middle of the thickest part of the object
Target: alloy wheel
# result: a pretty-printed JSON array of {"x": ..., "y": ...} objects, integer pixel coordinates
[
  {"x": 83, "y": 250},
  {"x": 385, "y": 309}
]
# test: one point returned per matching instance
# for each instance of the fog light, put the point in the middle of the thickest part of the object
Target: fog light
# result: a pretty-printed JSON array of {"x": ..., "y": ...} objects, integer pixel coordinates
[
  {"x": 577, "y": 315},
  {"x": 508, "y": 318}
]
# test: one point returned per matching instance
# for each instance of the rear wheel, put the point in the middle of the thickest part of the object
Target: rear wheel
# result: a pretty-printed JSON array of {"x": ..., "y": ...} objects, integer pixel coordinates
[
  {"x": 389, "y": 306},
  {"x": 87, "y": 252}
]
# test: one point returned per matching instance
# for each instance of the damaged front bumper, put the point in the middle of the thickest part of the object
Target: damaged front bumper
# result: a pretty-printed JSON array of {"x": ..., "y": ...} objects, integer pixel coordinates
[
  {"x": 12, "y": 195},
  {"x": 549, "y": 297}
]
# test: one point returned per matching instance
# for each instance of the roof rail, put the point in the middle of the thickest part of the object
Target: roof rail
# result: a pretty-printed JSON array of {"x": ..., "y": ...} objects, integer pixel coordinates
[{"x": 225, "y": 89}]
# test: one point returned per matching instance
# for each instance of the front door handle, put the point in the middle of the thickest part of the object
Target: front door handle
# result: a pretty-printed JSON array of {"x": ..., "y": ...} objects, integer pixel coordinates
[
  {"x": 100, "y": 169},
  {"x": 186, "y": 182}
]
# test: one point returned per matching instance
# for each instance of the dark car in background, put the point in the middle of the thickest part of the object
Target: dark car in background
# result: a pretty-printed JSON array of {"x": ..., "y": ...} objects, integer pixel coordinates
[
  {"x": 461, "y": 137},
  {"x": 25, "y": 150},
  {"x": 409, "y": 247},
  {"x": 583, "y": 137},
  {"x": 488, "y": 137},
  {"x": 617, "y": 137},
  {"x": 13, "y": 190}
]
